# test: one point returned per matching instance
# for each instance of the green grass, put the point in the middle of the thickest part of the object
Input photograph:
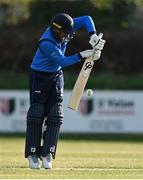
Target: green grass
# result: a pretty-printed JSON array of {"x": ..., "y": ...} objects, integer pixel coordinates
[
  {"x": 92, "y": 158},
  {"x": 107, "y": 81},
  {"x": 9, "y": 80}
]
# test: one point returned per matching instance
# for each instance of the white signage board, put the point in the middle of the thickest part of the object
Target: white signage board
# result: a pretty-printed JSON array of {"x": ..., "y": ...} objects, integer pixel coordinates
[
  {"x": 104, "y": 112},
  {"x": 13, "y": 109},
  {"x": 107, "y": 111}
]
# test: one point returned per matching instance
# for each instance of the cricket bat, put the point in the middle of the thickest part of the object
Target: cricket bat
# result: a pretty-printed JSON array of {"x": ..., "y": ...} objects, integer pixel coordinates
[{"x": 81, "y": 82}]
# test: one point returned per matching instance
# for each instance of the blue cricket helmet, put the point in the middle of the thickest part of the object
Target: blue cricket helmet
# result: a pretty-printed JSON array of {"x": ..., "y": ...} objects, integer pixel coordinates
[{"x": 63, "y": 22}]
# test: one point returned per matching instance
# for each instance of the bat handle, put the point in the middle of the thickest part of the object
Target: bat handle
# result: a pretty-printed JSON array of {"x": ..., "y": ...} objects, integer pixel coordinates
[{"x": 100, "y": 35}]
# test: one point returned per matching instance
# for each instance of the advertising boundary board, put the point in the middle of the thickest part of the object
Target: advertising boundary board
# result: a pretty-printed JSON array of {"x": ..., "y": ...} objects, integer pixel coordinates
[{"x": 104, "y": 112}]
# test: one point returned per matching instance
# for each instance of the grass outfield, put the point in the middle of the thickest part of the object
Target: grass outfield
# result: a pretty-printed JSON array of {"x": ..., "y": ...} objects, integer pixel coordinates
[
  {"x": 97, "y": 157},
  {"x": 10, "y": 80}
]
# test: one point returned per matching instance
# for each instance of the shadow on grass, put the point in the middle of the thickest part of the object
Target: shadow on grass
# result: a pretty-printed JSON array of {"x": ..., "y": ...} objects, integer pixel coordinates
[{"x": 90, "y": 137}]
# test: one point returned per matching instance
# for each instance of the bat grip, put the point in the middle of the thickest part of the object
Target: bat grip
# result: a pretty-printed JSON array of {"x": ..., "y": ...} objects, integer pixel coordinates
[{"x": 100, "y": 35}]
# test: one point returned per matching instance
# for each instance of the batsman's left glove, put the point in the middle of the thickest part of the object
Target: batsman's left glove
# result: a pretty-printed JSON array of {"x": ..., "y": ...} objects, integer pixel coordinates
[{"x": 96, "y": 42}]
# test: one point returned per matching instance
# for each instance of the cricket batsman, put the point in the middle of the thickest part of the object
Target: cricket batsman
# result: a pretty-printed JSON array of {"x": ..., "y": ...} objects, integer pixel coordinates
[{"x": 46, "y": 85}]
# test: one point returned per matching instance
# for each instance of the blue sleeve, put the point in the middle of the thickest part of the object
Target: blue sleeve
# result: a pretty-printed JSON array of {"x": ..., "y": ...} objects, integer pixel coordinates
[
  {"x": 84, "y": 22},
  {"x": 63, "y": 46},
  {"x": 55, "y": 55}
]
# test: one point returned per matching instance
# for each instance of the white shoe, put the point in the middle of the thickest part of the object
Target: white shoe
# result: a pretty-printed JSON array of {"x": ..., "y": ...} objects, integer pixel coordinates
[
  {"x": 47, "y": 161},
  {"x": 33, "y": 162}
]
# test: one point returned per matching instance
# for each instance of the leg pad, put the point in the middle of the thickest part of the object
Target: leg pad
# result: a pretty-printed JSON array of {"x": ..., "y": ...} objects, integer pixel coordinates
[
  {"x": 35, "y": 117},
  {"x": 54, "y": 121}
]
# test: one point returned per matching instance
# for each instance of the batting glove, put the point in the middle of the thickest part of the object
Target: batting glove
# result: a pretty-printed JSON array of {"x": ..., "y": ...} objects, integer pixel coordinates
[
  {"x": 96, "y": 42},
  {"x": 96, "y": 55},
  {"x": 87, "y": 53}
]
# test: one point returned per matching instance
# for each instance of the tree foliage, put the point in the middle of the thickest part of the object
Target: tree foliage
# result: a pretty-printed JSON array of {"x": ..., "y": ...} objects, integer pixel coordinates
[
  {"x": 22, "y": 23},
  {"x": 39, "y": 12}
]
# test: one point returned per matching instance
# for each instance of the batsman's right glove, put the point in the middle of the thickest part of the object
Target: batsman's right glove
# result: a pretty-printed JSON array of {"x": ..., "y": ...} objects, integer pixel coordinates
[
  {"x": 96, "y": 55},
  {"x": 86, "y": 54}
]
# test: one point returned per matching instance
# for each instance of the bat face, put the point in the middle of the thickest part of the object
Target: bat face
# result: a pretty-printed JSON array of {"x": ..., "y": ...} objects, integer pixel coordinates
[
  {"x": 80, "y": 84},
  {"x": 81, "y": 81},
  {"x": 87, "y": 68}
]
